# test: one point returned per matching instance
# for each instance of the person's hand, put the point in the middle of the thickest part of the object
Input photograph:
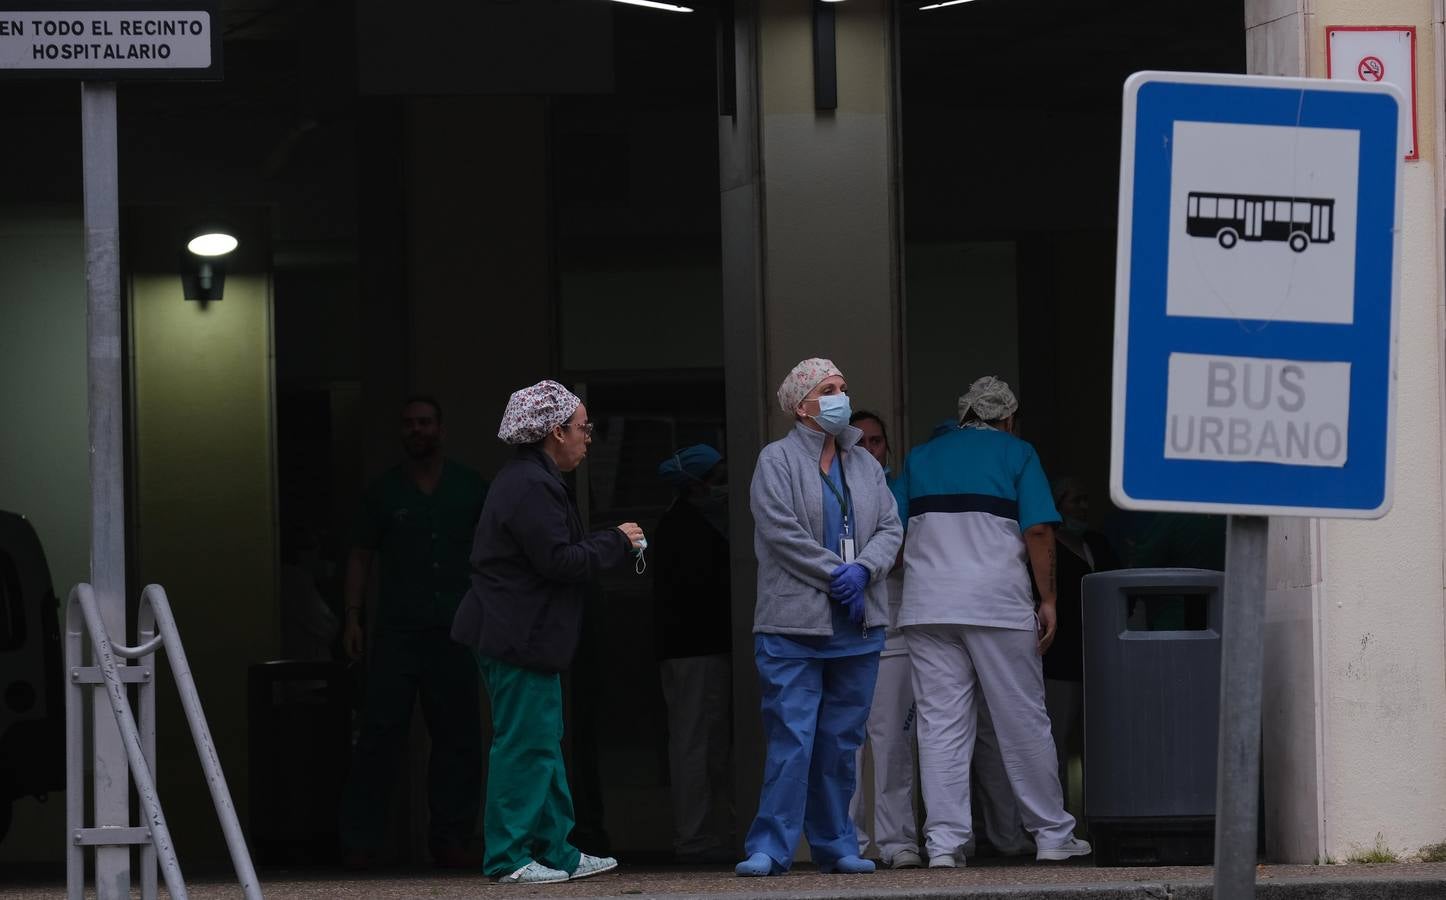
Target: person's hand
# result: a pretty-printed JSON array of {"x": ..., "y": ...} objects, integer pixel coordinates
[
  {"x": 847, "y": 580},
  {"x": 1046, "y": 617},
  {"x": 856, "y": 606},
  {"x": 352, "y": 638},
  {"x": 633, "y": 533}
]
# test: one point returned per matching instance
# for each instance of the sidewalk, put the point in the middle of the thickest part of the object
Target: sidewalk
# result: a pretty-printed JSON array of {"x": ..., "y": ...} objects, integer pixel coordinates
[{"x": 1015, "y": 881}]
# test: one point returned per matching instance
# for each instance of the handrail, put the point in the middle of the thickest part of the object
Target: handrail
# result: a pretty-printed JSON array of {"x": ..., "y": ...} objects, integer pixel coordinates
[
  {"x": 156, "y": 627},
  {"x": 83, "y": 597},
  {"x": 155, "y": 611},
  {"x": 145, "y": 648}
]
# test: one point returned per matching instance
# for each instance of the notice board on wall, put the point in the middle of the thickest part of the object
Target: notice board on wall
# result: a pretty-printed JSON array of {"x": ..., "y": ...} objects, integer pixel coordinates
[{"x": 1376, "y": 53}]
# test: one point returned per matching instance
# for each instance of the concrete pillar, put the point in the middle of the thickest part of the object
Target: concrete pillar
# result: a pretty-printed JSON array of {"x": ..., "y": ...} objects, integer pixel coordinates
[
  {"x": 809, "y": 259},
  {"x": 1356, "y": 664}
]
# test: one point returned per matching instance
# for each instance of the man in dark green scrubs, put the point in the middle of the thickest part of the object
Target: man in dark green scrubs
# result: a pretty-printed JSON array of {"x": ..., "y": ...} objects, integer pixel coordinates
[{"x": 416, "y": 522}]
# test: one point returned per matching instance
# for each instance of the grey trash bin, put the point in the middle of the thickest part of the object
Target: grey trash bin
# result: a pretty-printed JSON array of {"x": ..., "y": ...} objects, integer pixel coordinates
[{"x": 1152, "y": 688}]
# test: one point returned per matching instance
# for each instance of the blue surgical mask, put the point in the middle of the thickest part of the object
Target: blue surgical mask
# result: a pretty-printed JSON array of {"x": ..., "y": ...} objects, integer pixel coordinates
[{"x": 833, "y": 413}]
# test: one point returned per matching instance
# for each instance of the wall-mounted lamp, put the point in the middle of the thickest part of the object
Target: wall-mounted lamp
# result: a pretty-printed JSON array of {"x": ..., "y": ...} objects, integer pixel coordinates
[{"x": 203, "y": 270}]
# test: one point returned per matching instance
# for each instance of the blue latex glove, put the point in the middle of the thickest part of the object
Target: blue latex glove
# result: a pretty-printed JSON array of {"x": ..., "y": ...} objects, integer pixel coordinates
[
  {"x": 846, "y": 580},
  {"x": 856, "y": 607},
  {"x": 849, "y": 580}
]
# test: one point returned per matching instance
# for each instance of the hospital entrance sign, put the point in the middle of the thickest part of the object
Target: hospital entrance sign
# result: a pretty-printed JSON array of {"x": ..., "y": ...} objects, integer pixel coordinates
[{"x": 1256, "y": 295}]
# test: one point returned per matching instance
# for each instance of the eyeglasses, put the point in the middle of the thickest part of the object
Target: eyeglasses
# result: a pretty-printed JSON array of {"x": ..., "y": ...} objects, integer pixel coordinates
[{"x": 586, "y": 427}]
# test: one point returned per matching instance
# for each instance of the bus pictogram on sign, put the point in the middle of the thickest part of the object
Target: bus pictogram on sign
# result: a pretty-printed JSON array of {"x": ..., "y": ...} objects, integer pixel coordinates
[{"x": 1229, "y": 218}]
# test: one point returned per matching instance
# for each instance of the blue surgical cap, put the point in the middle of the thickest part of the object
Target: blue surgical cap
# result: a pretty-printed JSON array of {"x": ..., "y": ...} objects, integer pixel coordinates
[{"x": 689, "y": 464}]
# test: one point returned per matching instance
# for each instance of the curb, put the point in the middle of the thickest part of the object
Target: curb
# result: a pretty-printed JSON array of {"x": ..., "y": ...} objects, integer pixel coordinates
[{"x": 1357, "y": 888}]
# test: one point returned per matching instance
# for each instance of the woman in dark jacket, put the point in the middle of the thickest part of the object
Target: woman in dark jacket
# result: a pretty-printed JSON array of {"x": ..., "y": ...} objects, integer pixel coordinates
[{"x": 531, "y": 562}]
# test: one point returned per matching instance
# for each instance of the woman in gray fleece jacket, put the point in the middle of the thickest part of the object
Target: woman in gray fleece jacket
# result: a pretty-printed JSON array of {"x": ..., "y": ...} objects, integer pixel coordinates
[{"x": 826, "y": 535}]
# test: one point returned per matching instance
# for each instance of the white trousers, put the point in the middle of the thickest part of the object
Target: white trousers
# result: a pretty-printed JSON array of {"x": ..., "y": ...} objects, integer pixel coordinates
[
  {"x": 997, "y": 807},
  {"x": 893, "y": 826},
  {"x": 698, "y": 692},
  {"x": 1064, "y": 701},
  {"x": 956, "y": 669}
]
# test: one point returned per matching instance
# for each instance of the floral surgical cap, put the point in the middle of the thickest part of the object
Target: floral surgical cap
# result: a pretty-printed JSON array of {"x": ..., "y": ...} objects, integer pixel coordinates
[
  {"x": 990, "y": 399},
  {"x": 804, "y": 378},
  {"x": 534, "y": 411}
]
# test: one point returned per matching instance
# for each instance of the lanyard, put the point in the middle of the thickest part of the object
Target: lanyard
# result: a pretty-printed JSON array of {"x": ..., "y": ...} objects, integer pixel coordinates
[{"x": 843, "y": 498}]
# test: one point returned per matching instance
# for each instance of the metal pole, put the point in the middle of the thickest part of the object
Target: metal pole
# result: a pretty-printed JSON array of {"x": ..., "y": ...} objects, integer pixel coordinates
[
  {"x": 156, "y": 608},
  {"x": 107, "y": 484},
  {"x": 74, "y": 752},
  {"x": 110, "y": 666},
  {"x": 145, "y": 633},
  {"x": 1242, "y": 665}
]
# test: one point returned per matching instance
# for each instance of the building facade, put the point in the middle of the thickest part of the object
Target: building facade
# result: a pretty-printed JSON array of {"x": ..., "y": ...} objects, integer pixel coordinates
[{"x": 665, "y": 212}]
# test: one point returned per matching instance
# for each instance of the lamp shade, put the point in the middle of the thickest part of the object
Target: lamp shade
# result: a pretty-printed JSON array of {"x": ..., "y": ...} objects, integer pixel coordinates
[{"x": 212, "y": 242}]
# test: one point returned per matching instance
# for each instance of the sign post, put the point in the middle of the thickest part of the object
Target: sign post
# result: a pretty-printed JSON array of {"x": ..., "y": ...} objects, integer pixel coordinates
[
  {"x": 96, "y": 47},
  {"x": 1255, "y": 342},
  {"x": 106, "y": 400},
  {"x": 1242, "y": 671}
]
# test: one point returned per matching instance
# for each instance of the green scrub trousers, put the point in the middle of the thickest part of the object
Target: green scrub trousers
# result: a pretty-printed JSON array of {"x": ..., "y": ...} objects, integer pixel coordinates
[{"x": 529, "y": 808}]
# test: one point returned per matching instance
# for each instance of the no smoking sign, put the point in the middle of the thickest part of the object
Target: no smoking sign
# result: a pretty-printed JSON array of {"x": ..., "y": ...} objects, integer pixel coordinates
[
  {"x": 1375, "y": 54},
  {"x": 1371, "y": 69}
]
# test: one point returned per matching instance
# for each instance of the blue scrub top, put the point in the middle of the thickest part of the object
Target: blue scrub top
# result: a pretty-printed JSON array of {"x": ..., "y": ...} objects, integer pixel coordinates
[{"x": 847, "y": 639}]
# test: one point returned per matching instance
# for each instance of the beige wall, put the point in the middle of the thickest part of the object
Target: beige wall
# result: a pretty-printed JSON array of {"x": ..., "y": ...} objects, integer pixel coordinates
[
  {"x": 828, "y": 222},
  {"x": 1356, "y": 668},
  {"x": 204, "y": 513},
  {"x": 828, "y": 254},
  {"x": 44, "y": 469}
]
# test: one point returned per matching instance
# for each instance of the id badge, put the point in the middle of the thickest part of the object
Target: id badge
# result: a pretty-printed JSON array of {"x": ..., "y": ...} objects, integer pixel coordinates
[{"x": 846, "y": 549}]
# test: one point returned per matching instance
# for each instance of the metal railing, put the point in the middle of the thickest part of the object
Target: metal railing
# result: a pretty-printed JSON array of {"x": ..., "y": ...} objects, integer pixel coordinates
[{"x": 156, "y": 629}]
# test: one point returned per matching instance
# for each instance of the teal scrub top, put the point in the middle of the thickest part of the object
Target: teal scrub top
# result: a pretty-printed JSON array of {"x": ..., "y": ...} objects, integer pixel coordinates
[{"x": 422, "y": 544}]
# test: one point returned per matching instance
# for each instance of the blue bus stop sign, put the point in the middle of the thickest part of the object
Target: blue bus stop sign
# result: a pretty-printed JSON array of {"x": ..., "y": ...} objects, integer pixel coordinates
[{"x": 1256, "y": 295}]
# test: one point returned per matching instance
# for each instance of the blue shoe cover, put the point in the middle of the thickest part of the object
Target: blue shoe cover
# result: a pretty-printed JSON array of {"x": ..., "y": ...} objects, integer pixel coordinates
[
  {"x": 756, "y": 865},
  {"x": 849, "y": 865}
]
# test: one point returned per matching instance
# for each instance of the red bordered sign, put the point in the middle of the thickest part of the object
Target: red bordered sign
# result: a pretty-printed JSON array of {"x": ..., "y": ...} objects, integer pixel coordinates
[{"x": 1375, "y": 53}]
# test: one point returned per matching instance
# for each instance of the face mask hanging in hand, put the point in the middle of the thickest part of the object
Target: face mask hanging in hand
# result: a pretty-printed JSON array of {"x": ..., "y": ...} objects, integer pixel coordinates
[
  {"x": 833, "y": 413},
  {"x": 640, "y": 562}
]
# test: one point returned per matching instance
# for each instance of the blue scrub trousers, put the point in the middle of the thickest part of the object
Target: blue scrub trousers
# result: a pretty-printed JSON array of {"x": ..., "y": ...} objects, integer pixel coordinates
[{"x": 814, "y": 715}]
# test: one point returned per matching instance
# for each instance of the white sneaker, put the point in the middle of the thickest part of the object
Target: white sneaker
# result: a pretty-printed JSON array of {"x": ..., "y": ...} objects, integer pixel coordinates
[
  {"x": 1072, "y": 847},
  {"x": 533, "y": 873},
  {"x": 588, "y": 865},
  {"x": 948, "y": 861}
]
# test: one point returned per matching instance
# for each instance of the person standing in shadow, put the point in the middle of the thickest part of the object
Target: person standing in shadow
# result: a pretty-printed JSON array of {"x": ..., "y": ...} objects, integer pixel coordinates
[
  {"x": 893, "y": 827},
  {"x": 1081, "y": 551},
  {"x": 416, "y": 524},
  {"x": 692, "y": 618}
]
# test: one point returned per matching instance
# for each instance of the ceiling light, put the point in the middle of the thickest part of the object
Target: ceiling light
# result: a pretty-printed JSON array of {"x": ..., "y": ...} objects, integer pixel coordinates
[
  {"x": 943, "y": 4},
  {"x": 654, "y": 4},
  {"x": 212, "y": 243}
]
